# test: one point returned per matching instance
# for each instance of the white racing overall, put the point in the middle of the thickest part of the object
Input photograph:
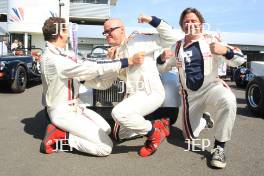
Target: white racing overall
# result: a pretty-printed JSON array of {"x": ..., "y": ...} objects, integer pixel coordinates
[
  {"x": 61, "y": 73},
  {"x": 202, "y": 90},
  {"x": 145, "y": 92}
]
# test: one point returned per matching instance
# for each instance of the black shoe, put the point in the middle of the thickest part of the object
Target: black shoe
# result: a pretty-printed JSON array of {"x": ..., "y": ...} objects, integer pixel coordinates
[
  {"x": 209, "y": 120},
  {"x": 218, "y": 157}
]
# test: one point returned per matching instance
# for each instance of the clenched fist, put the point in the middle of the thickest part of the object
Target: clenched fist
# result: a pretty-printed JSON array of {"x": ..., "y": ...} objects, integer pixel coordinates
[
  {"x": 178, "y": 63},
  {"x": 111, "y": 52},
  {"x": 137, "y": 58},
  {"x": 144, "y": 19},
  {"x": 218, "y": 49},
  {"x": 167, "y": 54}
]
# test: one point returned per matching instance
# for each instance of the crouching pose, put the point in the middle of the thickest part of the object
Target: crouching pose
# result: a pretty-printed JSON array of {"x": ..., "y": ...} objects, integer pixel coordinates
[
  {"x": 144, "y": 89},
  {"x": 72, "y": 124},
  {"x": 197, "y": 57}
]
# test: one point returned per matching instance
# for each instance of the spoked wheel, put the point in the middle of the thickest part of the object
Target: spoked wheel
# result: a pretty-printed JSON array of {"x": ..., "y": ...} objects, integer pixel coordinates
[
  {"x": 255, "y": 96},
  {"x": 19, "y": 83}
]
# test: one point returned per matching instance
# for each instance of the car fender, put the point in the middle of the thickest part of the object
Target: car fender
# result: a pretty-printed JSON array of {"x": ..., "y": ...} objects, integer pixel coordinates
[
  {"x": 86, "y": 95},
  {"x": 170, "y": 81}
]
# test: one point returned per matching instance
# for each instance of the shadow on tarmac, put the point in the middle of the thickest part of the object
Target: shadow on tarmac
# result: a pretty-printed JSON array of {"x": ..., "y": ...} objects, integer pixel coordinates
[
  {"x": 5, "y": 87},
  {"x": 125, "y": 149},
  {"x": 176, "y": 138},
  {"x": 247, "y": 113},
  {"x": 241, "y": 101},
  {"x": 36, "y": 126}
]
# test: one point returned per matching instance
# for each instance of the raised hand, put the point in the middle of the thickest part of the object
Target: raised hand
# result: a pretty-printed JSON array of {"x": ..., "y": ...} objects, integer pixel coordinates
[
  {"x": 167, "y": 53},
  {"x": 111, "y": 52},
  {"x": 218, "y": 49},
  {"x": 144, "y": 18}
]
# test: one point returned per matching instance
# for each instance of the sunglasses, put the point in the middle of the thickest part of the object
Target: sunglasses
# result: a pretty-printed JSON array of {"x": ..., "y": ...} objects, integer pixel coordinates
[{"x": 108, "y": 32}]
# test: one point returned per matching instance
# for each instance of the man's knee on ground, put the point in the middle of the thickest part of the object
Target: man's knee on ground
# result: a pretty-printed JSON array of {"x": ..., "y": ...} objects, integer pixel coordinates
[
  {"x": 57, "y": 122},
  {"x": 104, "y": 149}
]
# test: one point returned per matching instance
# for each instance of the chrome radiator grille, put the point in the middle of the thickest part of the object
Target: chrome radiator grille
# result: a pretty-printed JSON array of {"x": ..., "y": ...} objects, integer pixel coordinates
[{"x": 111, "y": 96}]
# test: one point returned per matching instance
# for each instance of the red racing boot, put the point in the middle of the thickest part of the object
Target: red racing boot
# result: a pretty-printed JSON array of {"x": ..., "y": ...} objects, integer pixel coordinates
[
  {"x": 164, "y": 125},
  {"x": 52, "y": 135},
  {"x": 152, "y": 143}
]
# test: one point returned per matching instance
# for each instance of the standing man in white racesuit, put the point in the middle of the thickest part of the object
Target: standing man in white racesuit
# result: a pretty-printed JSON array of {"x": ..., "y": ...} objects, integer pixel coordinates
[
  {"x": 72, "y": 124},
  {"x": 197, "y": 57},
  {"x": 3, "y": 47},
  {"x": 144, "y": 89}
]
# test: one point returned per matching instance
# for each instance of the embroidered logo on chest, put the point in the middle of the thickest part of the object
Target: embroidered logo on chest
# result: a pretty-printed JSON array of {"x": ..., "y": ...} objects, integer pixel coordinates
[{"x": 187, "y": 56}]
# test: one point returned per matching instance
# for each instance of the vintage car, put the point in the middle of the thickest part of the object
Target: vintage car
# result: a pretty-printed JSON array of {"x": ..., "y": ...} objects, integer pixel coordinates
[
  {"x": 20, "y": 67},
  {"x": 242, "y": 75},
  {"x": 255, "y": 89}
]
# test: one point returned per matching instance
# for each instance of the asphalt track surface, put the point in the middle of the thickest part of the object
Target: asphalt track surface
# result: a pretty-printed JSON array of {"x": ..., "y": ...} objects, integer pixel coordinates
[{"x": 22, "y": 126}]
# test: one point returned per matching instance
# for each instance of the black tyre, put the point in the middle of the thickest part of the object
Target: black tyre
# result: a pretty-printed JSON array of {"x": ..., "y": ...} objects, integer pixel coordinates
[
  {"x": 36, "y": 69},
  {"x": 19, "y": 84},
  {"x": 255, "y": 96}
]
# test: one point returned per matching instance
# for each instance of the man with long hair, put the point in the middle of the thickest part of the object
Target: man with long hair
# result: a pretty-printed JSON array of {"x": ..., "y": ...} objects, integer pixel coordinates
[{"x": 197, "y": 57}]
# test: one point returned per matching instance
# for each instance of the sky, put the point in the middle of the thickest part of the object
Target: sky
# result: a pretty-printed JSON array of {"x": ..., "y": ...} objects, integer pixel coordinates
[{"x": 246, "y": 16}]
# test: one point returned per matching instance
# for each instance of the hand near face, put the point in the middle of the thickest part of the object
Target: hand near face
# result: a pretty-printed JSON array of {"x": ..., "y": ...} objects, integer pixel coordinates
[
  {"x": 111, "y": 52},
  {"x": 144, "y": 19},
  {"x": 218, "y": 49},
  {"x": 137, "y": 59}
]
